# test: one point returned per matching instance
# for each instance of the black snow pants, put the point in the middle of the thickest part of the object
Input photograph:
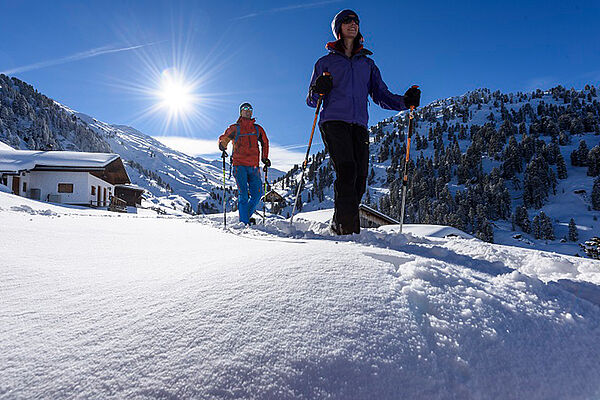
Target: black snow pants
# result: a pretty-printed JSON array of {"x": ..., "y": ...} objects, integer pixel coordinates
[{"x": 348, "y": 147}]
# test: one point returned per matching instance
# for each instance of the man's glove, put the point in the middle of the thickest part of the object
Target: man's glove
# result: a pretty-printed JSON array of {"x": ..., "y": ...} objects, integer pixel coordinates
[
  {"x": 412, "y": 97},
  {"x": 323, "y": 85},
  {"x": 267, "y": 162},
  {"x": 221, "y": 147}
]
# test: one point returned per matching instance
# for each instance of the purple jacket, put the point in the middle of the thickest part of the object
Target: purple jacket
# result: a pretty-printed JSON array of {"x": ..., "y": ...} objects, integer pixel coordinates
[{"x": 353, "y": 80}]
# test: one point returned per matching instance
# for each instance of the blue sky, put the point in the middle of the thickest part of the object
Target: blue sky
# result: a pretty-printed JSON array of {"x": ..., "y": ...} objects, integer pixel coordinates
[{"x": 106, "y": 58}]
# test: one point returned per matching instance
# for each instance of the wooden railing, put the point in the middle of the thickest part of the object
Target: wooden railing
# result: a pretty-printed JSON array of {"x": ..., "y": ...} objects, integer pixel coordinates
[{"x": 117, "y": 204}]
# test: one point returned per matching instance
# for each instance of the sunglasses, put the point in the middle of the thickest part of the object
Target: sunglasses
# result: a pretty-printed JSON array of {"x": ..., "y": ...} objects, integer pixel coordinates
[
  {"x": 246, "y": 108},
  {"x": 349, "y": 19}
]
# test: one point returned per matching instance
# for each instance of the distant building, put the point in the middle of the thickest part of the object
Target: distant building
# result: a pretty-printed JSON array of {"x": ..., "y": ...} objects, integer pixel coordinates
[
  {"x": 131, "y": 194},
  {"x": 66, "y": 177},
  {"x": 371, "y": 218},
  {"x": 273, "y": 197}
]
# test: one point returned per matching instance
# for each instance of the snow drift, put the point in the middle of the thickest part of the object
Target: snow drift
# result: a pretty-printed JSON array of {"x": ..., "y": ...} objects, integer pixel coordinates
[{"x": 98, "y": 305}]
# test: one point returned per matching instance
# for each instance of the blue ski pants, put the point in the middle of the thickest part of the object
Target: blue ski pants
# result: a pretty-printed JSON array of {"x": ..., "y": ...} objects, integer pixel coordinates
[{"x": 250, "y": 190}]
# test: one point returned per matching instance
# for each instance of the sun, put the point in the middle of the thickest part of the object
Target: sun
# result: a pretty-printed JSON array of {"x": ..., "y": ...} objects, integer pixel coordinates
[
  {"x": 174, "y": 89},
  {"x": 175, "y": 94}
]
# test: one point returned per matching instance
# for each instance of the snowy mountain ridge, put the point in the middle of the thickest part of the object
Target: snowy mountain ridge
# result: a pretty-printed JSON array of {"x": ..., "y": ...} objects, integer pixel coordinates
[
  {"x": 475, "y": 161},
  {"x": 174, "y": 180},
  {"x": 30, "y": 120},
  {"x": 169, "y": 175}
]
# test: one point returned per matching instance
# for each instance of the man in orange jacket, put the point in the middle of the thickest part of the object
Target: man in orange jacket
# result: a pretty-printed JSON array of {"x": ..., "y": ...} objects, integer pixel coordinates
[{"x": 246, "y": 135}]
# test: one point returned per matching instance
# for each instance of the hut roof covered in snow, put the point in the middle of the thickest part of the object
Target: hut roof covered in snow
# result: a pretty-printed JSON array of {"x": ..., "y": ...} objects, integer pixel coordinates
[{"x": 107, "y": 164}]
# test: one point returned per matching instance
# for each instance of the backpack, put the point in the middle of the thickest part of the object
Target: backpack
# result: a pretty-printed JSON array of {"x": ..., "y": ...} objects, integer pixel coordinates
[
  {"x": 238, "y": 134},
  {"x": 235, "y": 139}
]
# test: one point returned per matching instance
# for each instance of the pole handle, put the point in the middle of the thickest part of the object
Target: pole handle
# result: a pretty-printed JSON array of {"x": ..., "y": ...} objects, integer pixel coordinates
[
  {"x": 323, "y": 94},
  {"x": 412, "y": 108}
]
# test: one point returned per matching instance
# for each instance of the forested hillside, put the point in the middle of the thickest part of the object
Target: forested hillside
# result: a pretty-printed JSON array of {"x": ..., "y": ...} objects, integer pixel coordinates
[{"x": 492, "y": 164}]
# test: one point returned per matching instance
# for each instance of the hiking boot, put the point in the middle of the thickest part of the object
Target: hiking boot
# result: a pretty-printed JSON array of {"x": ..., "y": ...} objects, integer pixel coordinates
[{"x": 338, "y": 229}]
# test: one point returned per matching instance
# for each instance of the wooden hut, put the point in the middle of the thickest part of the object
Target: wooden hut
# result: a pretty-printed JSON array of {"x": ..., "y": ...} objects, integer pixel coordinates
[
  {"x": 371, "y": 218},
  {"x": 132, "y": 194}
]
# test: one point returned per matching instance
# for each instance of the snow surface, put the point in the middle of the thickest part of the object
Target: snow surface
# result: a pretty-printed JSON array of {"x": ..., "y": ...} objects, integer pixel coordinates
[
  {"x": 105, "y": 305},
  {"x": 4, "y": 146},
  {"x": 438, "y": 231}
]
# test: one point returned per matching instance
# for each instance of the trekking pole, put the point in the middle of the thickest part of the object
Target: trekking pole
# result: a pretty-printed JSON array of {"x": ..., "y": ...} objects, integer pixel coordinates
[
  {"x": 224, "y": 156},
  {"x": 312, "y": 132},
  {"x": 411, "y": 129},
  {"x": 265, "y": 196}
]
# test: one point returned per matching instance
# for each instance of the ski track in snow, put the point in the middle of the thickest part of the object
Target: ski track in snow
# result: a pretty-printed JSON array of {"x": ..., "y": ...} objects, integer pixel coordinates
[{"x": 98, "y": 305}]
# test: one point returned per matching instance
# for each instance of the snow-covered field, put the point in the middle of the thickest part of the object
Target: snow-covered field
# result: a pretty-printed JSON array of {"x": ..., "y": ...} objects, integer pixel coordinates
[{"x": 102, "y": 305}]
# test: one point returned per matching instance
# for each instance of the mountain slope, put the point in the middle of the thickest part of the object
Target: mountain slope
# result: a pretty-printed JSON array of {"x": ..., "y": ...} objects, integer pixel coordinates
[
  {"x": 486, "y": 163},
  {"x": 517, "y": 168},
  {"x": 293, "y": 313},
  {"x": 30, "y": 120},
  {"x": 157, "y": 167}
]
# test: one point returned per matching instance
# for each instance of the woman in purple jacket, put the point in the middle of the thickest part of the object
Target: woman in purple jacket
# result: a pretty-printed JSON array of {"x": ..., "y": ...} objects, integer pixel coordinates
[{"x": 351, "y": 77}]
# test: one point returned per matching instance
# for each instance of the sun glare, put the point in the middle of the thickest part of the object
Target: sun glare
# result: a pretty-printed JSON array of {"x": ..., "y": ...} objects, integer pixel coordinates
[
  {"x": 175, "y": 94},
  {"x": 174, "y": 86}
]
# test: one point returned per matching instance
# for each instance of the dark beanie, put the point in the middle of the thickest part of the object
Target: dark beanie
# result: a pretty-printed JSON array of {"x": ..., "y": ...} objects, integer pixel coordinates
[
  {"x": 245, "y": 105},
  {"x": 336, "y": 24}
]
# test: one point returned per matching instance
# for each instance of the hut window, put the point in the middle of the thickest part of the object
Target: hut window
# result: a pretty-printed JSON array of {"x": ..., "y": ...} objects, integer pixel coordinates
[
  {"x": 93, "y": 190},
  {"x": 65, "y": 188},
  {"x": 24, "y": 186}
]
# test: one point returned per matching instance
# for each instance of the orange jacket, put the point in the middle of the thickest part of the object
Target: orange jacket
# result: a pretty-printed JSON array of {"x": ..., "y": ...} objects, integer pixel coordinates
[{"x": 245, "y": 147}]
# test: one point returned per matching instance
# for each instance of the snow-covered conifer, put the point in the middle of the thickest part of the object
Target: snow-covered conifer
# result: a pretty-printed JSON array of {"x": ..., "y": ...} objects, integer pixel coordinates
[
  {"x": 573, "y": 234},
  {"x": 596, "y": 194},
  {"x": 593, "y": 161}
]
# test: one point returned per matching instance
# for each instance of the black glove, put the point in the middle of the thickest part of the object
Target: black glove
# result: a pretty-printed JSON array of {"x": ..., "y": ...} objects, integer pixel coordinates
[
  {"x": 221, "y": 147},
  {"x": 412, "y": 97},
  {"x": 267, "y": 162},
  {"x": 323, "y": 85}
]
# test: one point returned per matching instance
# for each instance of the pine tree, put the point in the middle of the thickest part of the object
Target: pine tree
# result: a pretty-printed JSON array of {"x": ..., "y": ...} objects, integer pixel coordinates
[
  {"x": 576, "y": 126},
  {"x": 542, "y": 227},
  {"x": 485, "y": 231},
  {"x": 551, "y": 153},
  {"x": 546, "y": 226},
  {"x": 573, "y": 234},
  {"x": 561, "y": 167},
  {"x": 521, "y": 219},
  {"x": 512, "y": 159},
  {"x": 537, "y": 182},
  {"x": 593, "y": 161},
  {"x": 592, "y": 248},
  {"x": 582, "y": 154},
  {"x": 574, "y": 158},
  {"x": 596, "y": 195},
  {"x": 536, "y": 229}
]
